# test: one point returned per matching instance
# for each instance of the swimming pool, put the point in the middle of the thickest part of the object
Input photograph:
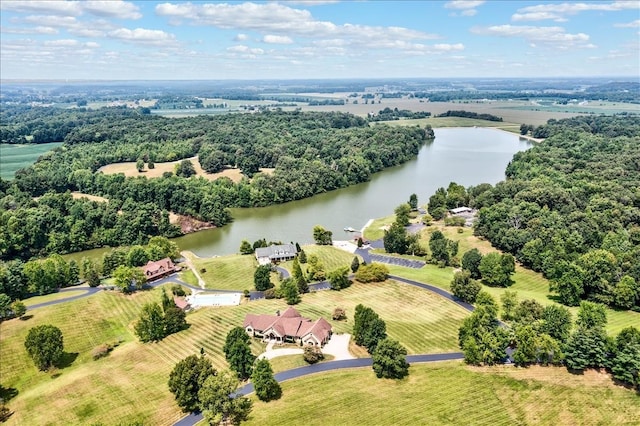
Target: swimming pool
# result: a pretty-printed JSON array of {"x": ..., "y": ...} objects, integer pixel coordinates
[{"x": 214, "y": 299}]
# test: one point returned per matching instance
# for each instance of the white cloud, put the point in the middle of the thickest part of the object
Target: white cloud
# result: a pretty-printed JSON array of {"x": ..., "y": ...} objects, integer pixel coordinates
[
  {"x": 240, "y": 48},
  {"x": 275, "y": 18},
  {"x": 444, "y": 47},
  {"x": 559, "y": 11},
  {"x": 277, "y": 39},
  {"x": 463, "y": 4},
  {"x": 465, "y": 7},
  {"x": 632, "y": 24},
  {"x": 555, "y": 37},
  {"x": 31, "y": 30},
  {"x": 143, "y": 36},
  {"x": 63, "y": 43},
  {"x": 112, "y": 8},
  {"x": 241, "y": 37}
]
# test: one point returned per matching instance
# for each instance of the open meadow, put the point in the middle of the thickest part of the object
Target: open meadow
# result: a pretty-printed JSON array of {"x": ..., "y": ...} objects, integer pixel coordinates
[
  {"x": 15, "y": 157},
  {"x": 450, "y": 393}
]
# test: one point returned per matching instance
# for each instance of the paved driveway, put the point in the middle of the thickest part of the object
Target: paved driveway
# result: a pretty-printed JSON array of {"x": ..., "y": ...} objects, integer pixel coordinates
[{"x": 338, "y": 346}]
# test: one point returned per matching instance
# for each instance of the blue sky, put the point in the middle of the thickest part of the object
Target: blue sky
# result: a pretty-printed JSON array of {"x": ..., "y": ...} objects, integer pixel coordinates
[{"x": 317, "y": 39}]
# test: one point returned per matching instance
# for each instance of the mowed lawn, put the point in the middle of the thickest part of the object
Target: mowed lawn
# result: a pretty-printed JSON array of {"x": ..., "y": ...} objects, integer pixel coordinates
[
  {"x": 450, "y": 393},
  {"x": 110, "y": 390},
  {"x": 14, "y": 157},
  {"x": 527, "y": 283},
  {"x": 232, "y": 272}
]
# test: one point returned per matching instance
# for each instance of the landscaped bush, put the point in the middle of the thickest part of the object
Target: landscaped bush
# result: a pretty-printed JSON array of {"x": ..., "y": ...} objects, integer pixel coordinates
[
  {"x": 270, "y": 293},
  {"x": 454, "y": 221},
  {"x": 312, "y": 354},
  {"x": 374, "y": 272},
  {"x": 339, "y": 314},
  {"x": 178, "y": 290},
  {"x": 100, "y": 351}
]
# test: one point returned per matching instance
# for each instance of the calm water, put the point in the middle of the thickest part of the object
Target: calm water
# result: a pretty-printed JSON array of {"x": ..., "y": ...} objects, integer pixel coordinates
[{"x": 468, "y": 156}]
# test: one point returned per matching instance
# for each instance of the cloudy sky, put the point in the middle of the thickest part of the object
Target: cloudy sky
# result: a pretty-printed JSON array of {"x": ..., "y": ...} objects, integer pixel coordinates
[{"x": 317, "y": 39}]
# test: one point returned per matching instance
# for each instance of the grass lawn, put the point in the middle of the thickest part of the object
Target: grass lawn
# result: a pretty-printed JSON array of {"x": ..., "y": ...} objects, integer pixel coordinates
[
  {"x": 14, "y": 157},
  {"x": 376, "y": 229},
  {"x": 109, "y": 390},
  {"x": 438, "y": 122},
  {"x": 527, "y": 283},
  {"x": 232, "y": 272},
  {"x": 450, "y": 393}
]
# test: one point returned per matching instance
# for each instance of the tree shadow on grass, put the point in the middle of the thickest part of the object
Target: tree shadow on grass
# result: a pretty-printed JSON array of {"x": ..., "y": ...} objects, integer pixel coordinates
[
  {"x": 7, "y": 393},
  {"x": 66, "y": 359},
  {"x": 26, "y": 317}
]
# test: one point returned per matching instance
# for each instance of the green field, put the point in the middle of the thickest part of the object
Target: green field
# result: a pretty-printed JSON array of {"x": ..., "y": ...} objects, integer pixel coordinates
[
  {"x": 450, "y": 393},
  {"x": 15, "y": 157},
  {"x": 53, "y": 296},
  {"x": 232, "y": 272},
  {"x": 439, "y": 122}
]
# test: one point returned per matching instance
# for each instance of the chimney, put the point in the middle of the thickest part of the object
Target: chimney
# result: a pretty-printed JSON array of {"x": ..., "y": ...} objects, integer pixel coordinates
[{"x": 278, "y": 313}]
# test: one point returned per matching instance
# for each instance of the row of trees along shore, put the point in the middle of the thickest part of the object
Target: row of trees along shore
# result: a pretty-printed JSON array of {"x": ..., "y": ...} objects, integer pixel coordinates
[
  {"x": 569, "y": 208},
  {"x": 309, "y": 152}
]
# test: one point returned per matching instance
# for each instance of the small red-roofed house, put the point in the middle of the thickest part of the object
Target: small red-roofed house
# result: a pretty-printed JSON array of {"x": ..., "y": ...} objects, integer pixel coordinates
[
  {"x": 289, "y": 326},
  {"x": 159, "y": 269}
]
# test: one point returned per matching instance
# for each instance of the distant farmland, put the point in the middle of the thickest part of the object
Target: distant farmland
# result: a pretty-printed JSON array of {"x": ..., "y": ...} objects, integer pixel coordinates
[{"x": 15, "y": 157}]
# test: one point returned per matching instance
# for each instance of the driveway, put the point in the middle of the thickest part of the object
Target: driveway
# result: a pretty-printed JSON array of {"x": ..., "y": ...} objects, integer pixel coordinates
[{"x": 338, "y": 346}]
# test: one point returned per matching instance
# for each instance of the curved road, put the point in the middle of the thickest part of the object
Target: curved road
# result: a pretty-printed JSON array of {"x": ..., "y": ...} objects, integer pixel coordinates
[{"x": 295, "y": 373}]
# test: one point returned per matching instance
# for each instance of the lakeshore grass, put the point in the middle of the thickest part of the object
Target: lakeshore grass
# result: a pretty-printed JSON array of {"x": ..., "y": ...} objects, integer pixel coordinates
[
  {"x": 15, "y": 157},
  {"x": 448, "y": 393}
]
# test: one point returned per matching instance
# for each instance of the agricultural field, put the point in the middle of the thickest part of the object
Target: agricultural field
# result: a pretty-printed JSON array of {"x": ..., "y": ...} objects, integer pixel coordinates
[
  {"x": 450, "y": 393},
  {"x": 16, "y": 157},
  {"x": 108, "y": 390},
  {"x": 232, "y": 272}
]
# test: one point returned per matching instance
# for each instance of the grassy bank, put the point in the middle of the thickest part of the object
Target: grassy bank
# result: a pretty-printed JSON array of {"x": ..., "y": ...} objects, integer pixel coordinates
[
  {"x": 450, "y": 393},
  {"x": 15, "y": 157}
]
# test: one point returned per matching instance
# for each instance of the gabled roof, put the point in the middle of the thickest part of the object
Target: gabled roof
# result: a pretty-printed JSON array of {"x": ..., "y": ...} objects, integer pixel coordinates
[
  {"x": 158, "y": 267},
  {"x": 277, "y": 251},
  {"x": 289, "y": 323}
]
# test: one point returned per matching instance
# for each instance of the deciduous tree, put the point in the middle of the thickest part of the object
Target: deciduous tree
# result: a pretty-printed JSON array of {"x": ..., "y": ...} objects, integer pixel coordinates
[
  {"x": 389, "y": 360},
  {"x": 464, "y": 287},
  {"x": 45, "y": 345},
  {"x": 219, "y": 402},
  {"x": 186, "y": 379},
  {"x": 150, "y": 325},
  {"x": 262, "y": 278},
  {"x": 266, "y": 387}
]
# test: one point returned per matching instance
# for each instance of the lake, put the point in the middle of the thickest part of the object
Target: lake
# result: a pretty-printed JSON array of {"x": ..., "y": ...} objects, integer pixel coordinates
[{"x": 468, "y": 156}]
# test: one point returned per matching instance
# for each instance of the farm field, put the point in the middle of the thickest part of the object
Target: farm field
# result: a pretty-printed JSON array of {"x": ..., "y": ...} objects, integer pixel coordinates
[
  {"x": 129, "y": 169},
  {"x": 109, "y": 390},
  {"x": 15, "y": 157},
  {"x": 450, "y": 393}
]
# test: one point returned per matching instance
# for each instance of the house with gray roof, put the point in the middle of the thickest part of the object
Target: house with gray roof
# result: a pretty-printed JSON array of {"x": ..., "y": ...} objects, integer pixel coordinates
[{"x": 276, "y": 253}]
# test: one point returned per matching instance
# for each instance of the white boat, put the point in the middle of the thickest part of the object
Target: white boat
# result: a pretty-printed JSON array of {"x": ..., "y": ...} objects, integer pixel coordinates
[{"x": 349, "y": 229}]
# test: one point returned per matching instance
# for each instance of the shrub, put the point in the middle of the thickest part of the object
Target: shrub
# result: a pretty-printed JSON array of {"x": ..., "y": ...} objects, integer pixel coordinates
[
  {"x": 339, "y": 314},
  {"x": 100, "y": 351},
  {"x": 203, "y": 270},
  {"x": 374, "y": 272},
  {"x": 247, "y": 293},
  {"x": 270, "y": 293},
  {"x": 312, "y": 354},
  {"x": 177, "y": 290}
]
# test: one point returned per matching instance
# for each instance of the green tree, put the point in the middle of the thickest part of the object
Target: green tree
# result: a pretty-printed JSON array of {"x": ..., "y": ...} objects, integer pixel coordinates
[
  {"x": 90, "y": 272},
  {"x": 396, "y": 239},
  {"x": 266, "y": 387},
  {"x": 322, "y": 236},
  {"x": 5, "y": 306},
  {"x": 238, "y": 352},
  {"x": 290, "y": 292},
  {"x": 150, "y": 326},
  {"x": 528, "y": 311},
  {"x": 372, "y": 273},
  {"x": 465, "y": 288},
  {"x": 186, "y": 379},
  {"x": 18, "y": 308},
  {"x": 368, "y": 328},
  {"x": 185, "y": 169},
  {"x": 402, "y": 214},
  {"x": 315, "y": 270},
  {"x": 45, "y": 346},
  {"x": 140, "y": 165},
  {"x": 174, "y": 320},
  {"x": 556, "y": 322},
  {"x": 165, "y": 301},
  {"x": 302, "y": 256},
  {"x": 137, "y": 256},
  {"x": 591, "y": 315},
  {"x": 262, "y": 278},
  {"x": 339, "y": 278},
  {"x": 587, "y": 347},
  {"x": 509, "y": 301},
  {"x": 389, "y": 360},
  {"x": 355, "y": 264},
  {"x": 218, "y": 401},
  {"x": 471, "y": 262},
  {"x": 496, "y": 269},
  {"x": 570, "y": 285},
  {"x": 626, "y": 292},
  {"x": 626, "y": 364},
  {"x": 413, "y": 202},
  {"x": 526, "y": 345},
  {"x": 312, "y": 354},
  {"x": 128, "y": 278},
  {"x": 298, "y": 277},
  {"x": 166, "y": 247},
  {"x": 245, "y": 247}
]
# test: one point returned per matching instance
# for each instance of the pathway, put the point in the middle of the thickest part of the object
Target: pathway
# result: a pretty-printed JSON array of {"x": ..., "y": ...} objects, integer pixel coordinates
[{"x": 189, "y": 262}]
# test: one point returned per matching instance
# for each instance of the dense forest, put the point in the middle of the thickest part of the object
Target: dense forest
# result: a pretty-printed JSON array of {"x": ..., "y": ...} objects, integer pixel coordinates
[
  {"x": 570, "y": 208},
  {"x": 310, "y": 153}
]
